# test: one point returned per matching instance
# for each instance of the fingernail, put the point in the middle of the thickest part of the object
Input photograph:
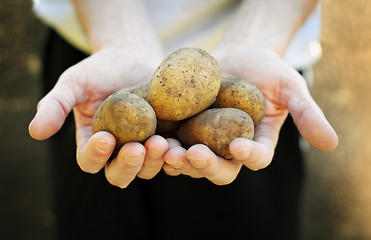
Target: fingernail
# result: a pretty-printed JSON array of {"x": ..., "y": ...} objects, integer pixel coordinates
[
  {"x": 103, "y": 146},
  {"x": 133, "y": 159},
  {"x": 198, "y": 163},
  {"x": 156, "y": 153},
  {"x": 177, "y": 165},
  {"x": 240, "y": 149},
  {"x": 241, "y": 153}
]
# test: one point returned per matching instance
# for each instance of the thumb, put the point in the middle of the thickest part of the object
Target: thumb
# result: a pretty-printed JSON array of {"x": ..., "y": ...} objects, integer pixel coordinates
[
  {"x": 313, "y": 125},
  {"x": 309, "y": 118},
  {"x": 52, "y": 111}
]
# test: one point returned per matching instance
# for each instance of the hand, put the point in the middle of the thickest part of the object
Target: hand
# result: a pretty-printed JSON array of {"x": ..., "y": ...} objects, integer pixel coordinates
[
  {"x": 82, "y": 88},
  {"x": 285, "y": 91},
  {"x": 199, "y": 161}
]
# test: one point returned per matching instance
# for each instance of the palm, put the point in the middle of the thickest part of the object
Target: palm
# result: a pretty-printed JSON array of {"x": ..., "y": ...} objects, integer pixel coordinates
[
  {"x": 267, "y": 71},
  {"x": 84, "y": 86},
  {"x": 285, "y": 91}
]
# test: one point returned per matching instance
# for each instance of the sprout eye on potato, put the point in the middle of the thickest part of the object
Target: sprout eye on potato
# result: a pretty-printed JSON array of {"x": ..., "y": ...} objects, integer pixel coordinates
[
  {"x": 186, "y": 83},
  {"x": 217, "y": 128},
  {"x": 126, "y": 116}
]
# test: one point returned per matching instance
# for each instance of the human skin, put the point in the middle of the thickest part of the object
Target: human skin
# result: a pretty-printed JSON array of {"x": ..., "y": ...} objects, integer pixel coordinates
[
  {"x": 128, "y": 51},
  {"x": 124, "y": 53},
  {"x": 252, "y": 48}
]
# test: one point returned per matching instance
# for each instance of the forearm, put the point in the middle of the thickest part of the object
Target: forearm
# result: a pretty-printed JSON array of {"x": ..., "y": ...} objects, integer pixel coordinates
[
  {"x": 120, "y": 24},
  {"x": 267, "y": 23}
]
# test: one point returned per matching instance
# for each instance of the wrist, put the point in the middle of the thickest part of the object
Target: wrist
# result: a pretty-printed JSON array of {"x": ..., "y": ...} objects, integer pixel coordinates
[
  {"x": 145, "y": 43},
  {"x": 117, "y": 24},
  {"x": 267, "y": 24},
  {"x": 223, "y": 52},
  {"x": 127, "y": 56},
  {"x": 241, "y": 59},
  {"x": 276, "y": 46},
  {"x": 141, "y": 51}
]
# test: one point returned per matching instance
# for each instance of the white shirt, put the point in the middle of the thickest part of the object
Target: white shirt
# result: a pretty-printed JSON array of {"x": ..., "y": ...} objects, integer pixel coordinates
[{"x": 179, "y": 24}]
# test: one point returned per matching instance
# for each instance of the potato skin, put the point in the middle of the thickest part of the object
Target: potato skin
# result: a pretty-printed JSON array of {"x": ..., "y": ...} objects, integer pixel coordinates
[
  {"x": 186, "y": 83},
  {"x": 217, "y": 128},
  {"x": 140, "y": 89},
  {"x": 236, "y": 92},
  {"x": 163, "y": 126},
  {"x": 127, "y": 116}
]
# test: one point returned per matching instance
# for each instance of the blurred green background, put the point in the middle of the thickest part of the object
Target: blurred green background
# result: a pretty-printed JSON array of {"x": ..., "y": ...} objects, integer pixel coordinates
[{"x": 337, "y": 194}]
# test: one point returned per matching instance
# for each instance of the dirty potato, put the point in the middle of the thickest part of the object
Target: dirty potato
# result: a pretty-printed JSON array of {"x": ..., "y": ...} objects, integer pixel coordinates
[
  {"x": 126, "y": 116},
  {"x": 163, "y": 126},
  {"x": 217, "y": 128},
  {"x": 167, "y": 126},
  {"x": 186, "y": 83},
  {"x": 140, "y": 89},
  {"x": 236, "y": 92}
]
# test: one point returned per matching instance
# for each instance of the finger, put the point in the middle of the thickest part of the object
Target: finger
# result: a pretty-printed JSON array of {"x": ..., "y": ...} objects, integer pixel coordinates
[
  {"x": 122, "y": 170},
  {"x": 52, "y": 111},
  {"x": 169, "y": 170},
  {"x": 156, "y": 146},
  {"x": 173, "y": 142},
  {"x": 93, "y": 153},
  {"x": 313, "y": 125},
  {"x": 308, "y": 117},
  {"x": 218, "y": 170},
  {"x": 174, "y": 159},
  {"x": 258, "y": 154},
  {"x": 252, "y": 154},
  {"x": 176, "y": 163}
]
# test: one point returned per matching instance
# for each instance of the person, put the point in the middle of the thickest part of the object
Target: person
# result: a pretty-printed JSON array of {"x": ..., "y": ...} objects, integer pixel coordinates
[{"x": 210, "y": 197}]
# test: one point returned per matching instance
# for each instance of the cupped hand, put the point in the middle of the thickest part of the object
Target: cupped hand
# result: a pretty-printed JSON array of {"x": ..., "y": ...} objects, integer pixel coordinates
[
  {"x": 285, "y": 91},
  {"x": 82, "y": 88}
]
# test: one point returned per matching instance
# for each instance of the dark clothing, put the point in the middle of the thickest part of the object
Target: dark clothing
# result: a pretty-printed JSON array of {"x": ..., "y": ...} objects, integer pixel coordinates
[{"x": 257, "y": 205}]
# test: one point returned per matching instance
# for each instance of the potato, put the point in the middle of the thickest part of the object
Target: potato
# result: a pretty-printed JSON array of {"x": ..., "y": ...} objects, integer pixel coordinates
[
  {"x": 236, "y": 92},
  {"x": 167, "y": 126},
  {"x": 216, "y": 128},
  {"x": 140, "y": 89},
  {"x": 186, "y": 83},
  {"x": 163, "y": 126},
  {"x": 127, "y": 116}
]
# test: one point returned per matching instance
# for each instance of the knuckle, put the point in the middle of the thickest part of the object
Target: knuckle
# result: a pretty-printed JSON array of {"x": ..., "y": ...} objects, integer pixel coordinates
[
  {"x": 153, "y": 163},
  {"x": 209, "y": 170},
  {"x": 70, "y": 74}
]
